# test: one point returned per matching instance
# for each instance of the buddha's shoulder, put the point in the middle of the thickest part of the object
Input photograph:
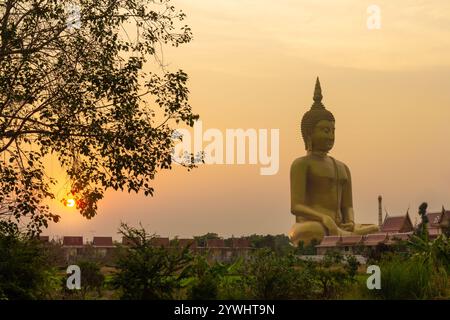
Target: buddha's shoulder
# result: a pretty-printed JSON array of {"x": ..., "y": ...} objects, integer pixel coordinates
[
  {"x": 301, "y": 162},
  {"x": 341, "y": 164}
]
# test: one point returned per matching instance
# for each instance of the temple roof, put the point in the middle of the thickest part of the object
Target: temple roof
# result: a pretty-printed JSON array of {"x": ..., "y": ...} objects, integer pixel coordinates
[
  {"x": 434, "y": 232},
  {"x": 399, "y": 236},
  {"x": 347, "y": 240},
  {"x": 160, "y": 242},
  {"x": 375, "y": 239},
  {"x": 436, "y": 218},
  {"x": 127, "y": 241},
  {"x": 215, "y": 243},
  {"x": 240, "y": 243},
  {"x": 102, "y": 242},
  {"x": 44, "y": 238},
  {"x": 187, "y": 242},
  {"x": 396, "y": 224},
  {"x": 330, "y": 241},
  {"x": 72, "y": 241}
]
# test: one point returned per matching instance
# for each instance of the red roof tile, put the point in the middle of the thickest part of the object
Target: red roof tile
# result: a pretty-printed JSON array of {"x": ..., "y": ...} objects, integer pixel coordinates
[
  {"x": 396, "y": 224},
  {"x": 240, "y": 243},
  {"x": 160, "y": 242},
  {"x": 447, "y": 214},
  {"x": 44, "y": 238},
  {"x": 330, "y": 241},
  {"x": 434, "y": 231},
  {"x": 187, "y": 242},
  {"x": 102, "y": 242},
  {"x": 215, "y": 243},
  {"x": 399, "y": 236},
  {"x": 127, "y": 241},
  {"x": 73, "y": 241},
  {"x": 434, "y": 219},
  {"x": 351, "y": 240},
  {"x": 375, "y": 239}
]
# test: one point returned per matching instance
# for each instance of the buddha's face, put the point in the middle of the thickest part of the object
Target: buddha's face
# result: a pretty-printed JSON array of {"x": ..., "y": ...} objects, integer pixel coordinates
[{"x": 322, "y": 137}]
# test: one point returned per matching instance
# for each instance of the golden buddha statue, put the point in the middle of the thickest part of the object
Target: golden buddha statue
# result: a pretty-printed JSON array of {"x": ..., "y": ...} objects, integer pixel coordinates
[{"x": 321, "y": 187}]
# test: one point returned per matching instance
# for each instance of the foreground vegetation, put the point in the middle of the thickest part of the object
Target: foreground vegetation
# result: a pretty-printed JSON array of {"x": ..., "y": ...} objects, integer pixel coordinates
[{"x": 417, "y": 269}]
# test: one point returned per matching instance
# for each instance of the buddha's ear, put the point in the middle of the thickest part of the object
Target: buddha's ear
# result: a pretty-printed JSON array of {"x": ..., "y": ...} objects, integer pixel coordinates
[{"x": 308, "y": 143}]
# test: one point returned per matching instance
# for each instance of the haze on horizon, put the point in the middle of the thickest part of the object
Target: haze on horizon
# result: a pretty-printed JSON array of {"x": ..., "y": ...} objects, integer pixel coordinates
[{"x": 253, "y": 64}]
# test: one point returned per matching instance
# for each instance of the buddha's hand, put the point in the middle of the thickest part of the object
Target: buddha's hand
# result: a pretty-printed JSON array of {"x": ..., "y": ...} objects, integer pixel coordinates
[
  {"x": 330, "y": 225},
  {"x": 349, "y": 226}
]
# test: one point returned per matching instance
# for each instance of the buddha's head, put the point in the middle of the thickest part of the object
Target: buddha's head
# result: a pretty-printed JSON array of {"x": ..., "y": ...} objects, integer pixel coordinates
[{"x": 318, "y": 125}]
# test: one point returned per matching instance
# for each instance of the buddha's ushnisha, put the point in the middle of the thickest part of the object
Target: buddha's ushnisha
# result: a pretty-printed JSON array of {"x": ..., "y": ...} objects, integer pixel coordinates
[{"x": 321, "y": 187}]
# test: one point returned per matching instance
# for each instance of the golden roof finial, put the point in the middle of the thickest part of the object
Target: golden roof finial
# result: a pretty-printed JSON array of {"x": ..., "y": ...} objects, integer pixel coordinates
[{"x": 317, "y": 95}]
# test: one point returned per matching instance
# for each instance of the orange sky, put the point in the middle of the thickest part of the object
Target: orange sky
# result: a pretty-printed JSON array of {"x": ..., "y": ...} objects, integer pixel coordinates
[{"x": 253, "y": 63}]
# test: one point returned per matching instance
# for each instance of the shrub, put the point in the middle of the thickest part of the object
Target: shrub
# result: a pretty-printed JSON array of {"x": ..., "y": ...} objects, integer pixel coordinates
[
  {"x": 407, "y": 278},
  {"x": 91, "y": 277},
  {"x": 204, "y": 279},
  {"x": 24, "y": 271},
  {"x": 148, "y": 272},
  {"x": 351, "y": 266},
  {"x": 277, "y": 277}
]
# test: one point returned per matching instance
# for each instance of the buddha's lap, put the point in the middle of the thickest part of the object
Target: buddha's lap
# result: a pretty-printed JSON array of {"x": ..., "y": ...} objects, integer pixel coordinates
[{"x": 308, "y": 226}]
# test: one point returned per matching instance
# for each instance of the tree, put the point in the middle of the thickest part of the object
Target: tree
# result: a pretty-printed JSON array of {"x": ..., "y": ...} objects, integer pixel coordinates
[
  {"x": 92, "y": 278},
  {"x": 146, "y": 272},
  {"x": 445, "y": 224},
  {"x": 25, "y": 272},
  {"x": 204, "y": 280},
  {"x": 279, "y": 243},
  {"x": 409, "y": 278},
  {"x": 309, "y": 249},
  {"x": 202, "y": 240},
  {"x": 93, "y": 92},
  {"x": 273, "y": 277},
  {"x": 422, "y": 229},
  {"x": 351, "y": 266}
]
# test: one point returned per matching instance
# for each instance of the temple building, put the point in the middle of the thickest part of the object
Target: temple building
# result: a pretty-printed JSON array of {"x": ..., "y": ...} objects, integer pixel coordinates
[
  {"x": 74, "y": 248},
  {"x": 393, "y": 229},
  {"x": 329, "y": 243},
  {"x": 160, "y": 242},
  {"x": 103, "y": 245},
  {"x": 397, "y": 224},
  {"x": 438, "y": 223}
]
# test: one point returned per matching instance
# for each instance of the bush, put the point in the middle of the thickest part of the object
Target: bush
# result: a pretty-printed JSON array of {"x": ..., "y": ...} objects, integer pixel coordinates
[
  {"x": 309, "y": 249},
  {"x": 277, "y": 277},
  {"x": 204, "y": 279},
  {"x": 408, "y": 278},
  {"x": 351, "y": 266},
  {"x": 215, "y": 280},
  {"x": 91, "y": 277},
  {"x": 330, "y": 281},
  {"x": 24, "y": 269},
  {"x": 146, "y": 272}
]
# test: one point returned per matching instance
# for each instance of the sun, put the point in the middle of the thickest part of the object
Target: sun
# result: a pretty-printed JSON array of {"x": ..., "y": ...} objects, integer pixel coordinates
[{"x": 70, "y": 203}]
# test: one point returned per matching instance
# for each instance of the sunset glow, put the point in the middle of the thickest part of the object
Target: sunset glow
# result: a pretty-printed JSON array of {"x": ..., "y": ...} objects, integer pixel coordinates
[
  {"x": 70, "y": 203},
  {"x": 386, "y": 87}
]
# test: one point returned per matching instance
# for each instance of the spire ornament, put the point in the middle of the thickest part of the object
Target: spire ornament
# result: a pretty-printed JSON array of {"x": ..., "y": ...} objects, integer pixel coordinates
[
  {"x": 316, "y": 113},
  {"x": 317, "y": 96}
]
